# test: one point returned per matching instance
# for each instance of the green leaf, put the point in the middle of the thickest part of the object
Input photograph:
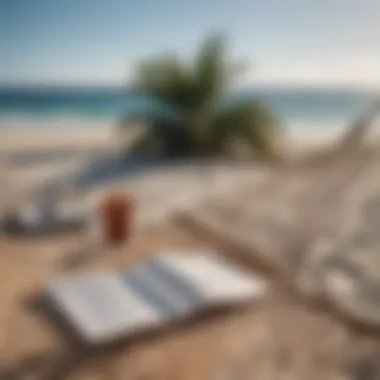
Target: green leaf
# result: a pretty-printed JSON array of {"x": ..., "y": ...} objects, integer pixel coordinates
[
  {"x": 194, "y": 92},
  {"x": 250, "y": 123}
]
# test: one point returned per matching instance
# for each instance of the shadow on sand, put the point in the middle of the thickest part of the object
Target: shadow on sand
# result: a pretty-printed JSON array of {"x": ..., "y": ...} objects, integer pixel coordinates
[
  {"x": 111, "y": 169},
  {"x": 30, "y": 157}
]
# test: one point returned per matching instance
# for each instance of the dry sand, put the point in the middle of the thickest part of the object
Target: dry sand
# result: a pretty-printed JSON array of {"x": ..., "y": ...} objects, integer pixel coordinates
[
  {"x": 29, "y": 160},
  {"x": 280, "y": 338},
  {"x": 31, "y": 157}
]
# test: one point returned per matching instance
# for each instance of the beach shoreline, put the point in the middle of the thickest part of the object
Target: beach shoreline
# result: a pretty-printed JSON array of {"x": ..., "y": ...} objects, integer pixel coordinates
[
  {"x": 33, "y": 157},
  {"x": 58, "y": 135}
]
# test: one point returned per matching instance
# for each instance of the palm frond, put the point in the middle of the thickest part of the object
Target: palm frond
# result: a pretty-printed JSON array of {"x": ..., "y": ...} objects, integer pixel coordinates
[
  {"x": 193, "y": 94},
  {"x": 167, "y": 79},
  {"x": 164, "y": 136},
  {"x": 249, "y": 122},
  {"x": 146, "y": 144},
  {"x": 211, "y": 68}
]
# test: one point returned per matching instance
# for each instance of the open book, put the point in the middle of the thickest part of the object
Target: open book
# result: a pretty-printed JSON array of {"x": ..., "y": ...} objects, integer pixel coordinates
[{"x": 167, "y": 287}]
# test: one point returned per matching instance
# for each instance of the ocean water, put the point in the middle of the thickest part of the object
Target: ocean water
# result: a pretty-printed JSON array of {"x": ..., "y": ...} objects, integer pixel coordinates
[{"x": 306, "y": 110}]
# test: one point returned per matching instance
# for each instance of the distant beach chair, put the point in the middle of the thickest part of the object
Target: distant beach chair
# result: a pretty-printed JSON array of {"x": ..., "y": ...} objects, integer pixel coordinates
[{"x": 44, "y": 218}]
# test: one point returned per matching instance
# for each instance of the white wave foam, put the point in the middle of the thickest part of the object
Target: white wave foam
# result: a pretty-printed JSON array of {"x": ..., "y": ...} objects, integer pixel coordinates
[{"x": 26, "y": 123}]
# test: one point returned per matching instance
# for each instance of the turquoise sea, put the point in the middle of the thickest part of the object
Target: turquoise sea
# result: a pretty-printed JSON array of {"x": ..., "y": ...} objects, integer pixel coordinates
[
  {"x": 297, "y": 108},
  {"x": 300, "y": 110}
]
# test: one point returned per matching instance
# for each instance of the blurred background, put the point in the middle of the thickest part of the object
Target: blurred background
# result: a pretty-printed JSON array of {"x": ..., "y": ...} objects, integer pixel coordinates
[{"x": 257, "y": 119}]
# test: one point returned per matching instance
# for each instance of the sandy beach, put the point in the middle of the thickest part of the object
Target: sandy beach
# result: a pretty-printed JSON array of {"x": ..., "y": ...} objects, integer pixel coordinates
[
  {"x": 274, "y": 347},
  {"x": 31, "y": 159},
  {"x": 189, "y": 191},
  {"x": 31, "y": 156}
]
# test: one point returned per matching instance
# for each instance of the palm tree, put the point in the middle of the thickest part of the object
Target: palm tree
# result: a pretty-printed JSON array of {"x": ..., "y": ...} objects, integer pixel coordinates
[{"x": 193, "y": 119}]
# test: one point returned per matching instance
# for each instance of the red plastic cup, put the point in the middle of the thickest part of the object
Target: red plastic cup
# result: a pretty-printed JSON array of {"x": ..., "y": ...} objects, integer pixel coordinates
[{"x": 117, "y": 218}]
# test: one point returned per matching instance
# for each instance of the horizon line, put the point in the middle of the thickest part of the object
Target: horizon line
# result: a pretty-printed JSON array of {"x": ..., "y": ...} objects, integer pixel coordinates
[{"x": 111, "y": 86}]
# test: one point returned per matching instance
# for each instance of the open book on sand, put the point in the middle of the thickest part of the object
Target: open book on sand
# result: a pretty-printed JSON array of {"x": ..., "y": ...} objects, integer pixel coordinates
[{"x": 168, "y": 287}]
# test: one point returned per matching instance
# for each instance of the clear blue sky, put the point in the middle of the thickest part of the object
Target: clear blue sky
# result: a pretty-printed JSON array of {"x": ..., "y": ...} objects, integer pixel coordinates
[{"x": 99, "y": 41}]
